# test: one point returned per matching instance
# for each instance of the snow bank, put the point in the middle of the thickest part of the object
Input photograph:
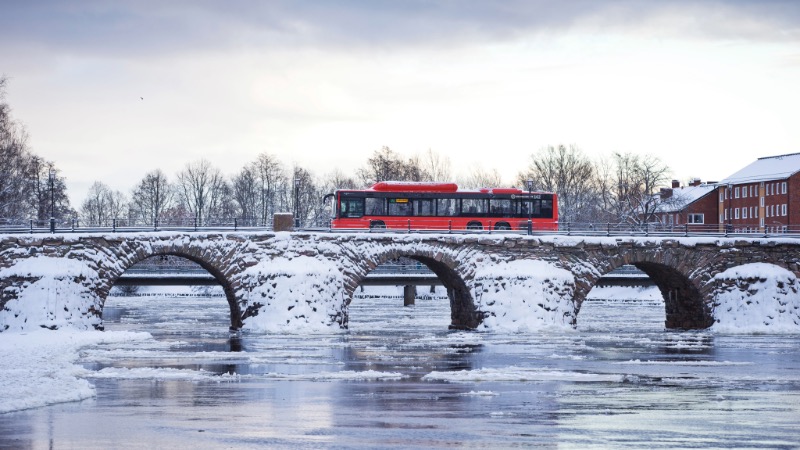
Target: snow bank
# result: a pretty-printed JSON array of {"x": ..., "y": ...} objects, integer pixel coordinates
[
  {"x": 297, "y": 295},
  {"x": 524, "y": 295},
  {"x": 756, "y": 298},
  {"x": 52, "y": 293},
  {"x": 38, "y": 367}
]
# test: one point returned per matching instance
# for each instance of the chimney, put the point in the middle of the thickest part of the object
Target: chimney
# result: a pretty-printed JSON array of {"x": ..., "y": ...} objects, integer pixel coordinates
[
  {"x": 675, "y": 184},
  {"x": 666, "y": 192},
  {"x": 695, "y": 182}
]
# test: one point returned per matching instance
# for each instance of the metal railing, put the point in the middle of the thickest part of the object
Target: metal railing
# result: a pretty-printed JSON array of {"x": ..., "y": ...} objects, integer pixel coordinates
[{"x": 753, "y": 230}]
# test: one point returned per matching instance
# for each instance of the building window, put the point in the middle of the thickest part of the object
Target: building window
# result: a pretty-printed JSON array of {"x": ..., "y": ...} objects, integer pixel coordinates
[
  {"x": 755, "y": 212},
  {"x": 721, "y": 195},
  {"x": 744, "y": 213},
  {"x": 695, "y": 218},
  {"x": 762, "y": 202},
  {"x": 736, "y": 192},
  {"x": 720, "y": 218},
  {"x": 783, "y": 209},
  {"x": 736, "y": 213},
  {"x": 783, "y": 187},
  {"x": 761, "y": 222}
]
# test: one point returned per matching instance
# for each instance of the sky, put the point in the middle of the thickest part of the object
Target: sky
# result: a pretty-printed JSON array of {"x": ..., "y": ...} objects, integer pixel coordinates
[{"x": 110, "y": 90}]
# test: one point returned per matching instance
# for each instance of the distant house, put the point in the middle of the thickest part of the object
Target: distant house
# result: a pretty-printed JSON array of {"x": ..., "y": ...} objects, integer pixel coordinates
[
  {"x": 763, "y": 196},
  {"x": 694, "y": 206}
]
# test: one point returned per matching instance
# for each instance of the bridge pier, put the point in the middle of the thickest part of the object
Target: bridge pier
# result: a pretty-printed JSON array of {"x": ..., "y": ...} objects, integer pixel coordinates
[{"x": 409, "y": 295}]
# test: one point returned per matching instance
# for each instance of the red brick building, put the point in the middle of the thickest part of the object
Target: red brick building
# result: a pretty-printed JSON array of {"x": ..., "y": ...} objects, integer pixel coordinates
[
  {"x": 694, "y": 205},
  {"x": 762, "y": 197}
]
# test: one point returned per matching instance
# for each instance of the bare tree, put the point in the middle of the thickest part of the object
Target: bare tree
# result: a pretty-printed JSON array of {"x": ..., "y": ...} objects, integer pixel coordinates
[
  {"x": 223, "y": 206},
  {"x": 47, "y": 195},
  {"x": 567, "y": 171},
  {"x": 338, "y": 180},
  {"x": 151, "y": 197},
  {"x": 14, "y": 159},
  {"x": 306, "y": 197},
  {"x": 480, "y": 177},
  {"x": 384, "y": 165},
  {"x": 199, "y": 187},
  {"x": 102, "y": 205},
  {"x": 256, "y": 188},
  {"x": 436, "y": 166},
  {"x": 246, "y": 194},
  {"x": 270, "y": 176},
  {"x": 627, "y": 184}
]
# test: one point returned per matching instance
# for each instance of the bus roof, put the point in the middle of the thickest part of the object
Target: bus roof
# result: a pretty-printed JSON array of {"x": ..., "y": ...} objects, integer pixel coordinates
[
  {"x": 438, "y": 187},
  {"x": 414, "y": 186}
]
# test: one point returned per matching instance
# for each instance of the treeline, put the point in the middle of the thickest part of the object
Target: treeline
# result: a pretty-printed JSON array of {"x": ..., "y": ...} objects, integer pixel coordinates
[
  {"x": 30, "y": 186},
  {"x": 621, "y": 188},
  {"x": 201, "y": 194},
  {"x": 618, "y": 189}
]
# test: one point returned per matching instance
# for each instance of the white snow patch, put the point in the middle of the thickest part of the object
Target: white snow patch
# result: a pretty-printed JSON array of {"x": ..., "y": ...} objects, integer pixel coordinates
[
  {"x": 38, "y": 367},
  {"x": 520, "y": 374},
  {"x": 756, "y": 298},
  {"x": 159, "y": 373},
  {"x": 57, "y": 295},
  {"x": 298, "y": 295},
  {"x": 480, "y": 394},
  {"x": 348, "y": 375},
  {"x": 524, "y": 295}
]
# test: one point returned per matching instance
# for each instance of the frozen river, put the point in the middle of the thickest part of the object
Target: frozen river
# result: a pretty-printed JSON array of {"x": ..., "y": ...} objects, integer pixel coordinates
[{"x": 398, "y": 378}]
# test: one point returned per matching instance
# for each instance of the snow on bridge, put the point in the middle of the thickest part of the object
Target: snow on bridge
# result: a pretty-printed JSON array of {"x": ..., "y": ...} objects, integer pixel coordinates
[{"x": 295, "y": 282}]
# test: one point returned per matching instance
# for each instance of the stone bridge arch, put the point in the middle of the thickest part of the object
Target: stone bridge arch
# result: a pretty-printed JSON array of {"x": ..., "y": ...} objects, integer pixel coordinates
[
  {"x": 674, "y": 272},
  {"x": 453, "y": 266},
  {"x": 131, "y": 253}
]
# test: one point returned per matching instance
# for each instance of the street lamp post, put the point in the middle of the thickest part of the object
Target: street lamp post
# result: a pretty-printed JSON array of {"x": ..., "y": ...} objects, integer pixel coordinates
[
  {"x": 530, "y": 206},
  {"x": 296, "y": 203},
  {"x": 51, "y": 181}
]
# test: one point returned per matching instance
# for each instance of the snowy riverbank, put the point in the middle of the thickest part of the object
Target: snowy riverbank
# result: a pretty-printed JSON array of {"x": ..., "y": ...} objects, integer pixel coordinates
[{"x": 39, "y": 370}]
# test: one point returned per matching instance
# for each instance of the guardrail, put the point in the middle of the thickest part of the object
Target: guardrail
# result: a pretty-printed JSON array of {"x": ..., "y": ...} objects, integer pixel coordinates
[{"x": 567, "y": 228}]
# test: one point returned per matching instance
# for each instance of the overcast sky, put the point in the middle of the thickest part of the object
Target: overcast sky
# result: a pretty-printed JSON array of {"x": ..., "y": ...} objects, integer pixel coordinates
[{"x": 112, "y": 90}]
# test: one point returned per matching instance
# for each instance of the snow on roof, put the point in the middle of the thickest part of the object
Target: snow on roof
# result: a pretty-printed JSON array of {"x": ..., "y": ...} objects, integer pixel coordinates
[
  {"x": 767, "y": 168},
  {"x": 684, "y": 196}
]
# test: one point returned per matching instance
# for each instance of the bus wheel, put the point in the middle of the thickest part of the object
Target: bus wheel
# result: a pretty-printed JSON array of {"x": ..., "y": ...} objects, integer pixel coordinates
[
  {"x": 474, "y": 226},
  {"x": 502, "y": 226},
  {"x": 377, "y": 224}
]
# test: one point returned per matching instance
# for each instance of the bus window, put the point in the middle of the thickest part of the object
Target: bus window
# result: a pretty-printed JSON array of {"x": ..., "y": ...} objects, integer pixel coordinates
[
  {"x": 546, "y": 209},
  {"x": 423, "y": 207},
  {"x": 375, "y": 206},
  {"x": 500, "y": 207},
  {"x": 447, "y": 207},
  {"x": 473, "y": 206},
  {"x": 352, "y": 207},
  {"x": 399, "y": 207},
  {"x": 525, "y": 206}
]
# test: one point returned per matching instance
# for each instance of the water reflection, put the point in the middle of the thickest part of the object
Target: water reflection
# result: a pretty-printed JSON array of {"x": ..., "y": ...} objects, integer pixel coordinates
[{"x": 399, "y": 378}]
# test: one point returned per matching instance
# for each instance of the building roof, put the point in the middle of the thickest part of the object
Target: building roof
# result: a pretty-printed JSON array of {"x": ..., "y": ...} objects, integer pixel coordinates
[
  {"x": 684, "y": 196},
  {"x": 768, "y": 168}
]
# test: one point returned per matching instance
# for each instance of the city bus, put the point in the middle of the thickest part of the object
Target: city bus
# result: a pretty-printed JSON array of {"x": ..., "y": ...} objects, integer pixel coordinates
[{"x": 442, "y": 206}]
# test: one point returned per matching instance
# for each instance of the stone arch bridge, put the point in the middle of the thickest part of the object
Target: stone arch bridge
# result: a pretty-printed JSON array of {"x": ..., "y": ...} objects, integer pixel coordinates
[{"x": 281, "y": 281}]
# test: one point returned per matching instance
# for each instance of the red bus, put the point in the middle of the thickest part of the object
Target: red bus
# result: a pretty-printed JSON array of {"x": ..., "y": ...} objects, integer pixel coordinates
[{"x": 442, "y": 206}]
